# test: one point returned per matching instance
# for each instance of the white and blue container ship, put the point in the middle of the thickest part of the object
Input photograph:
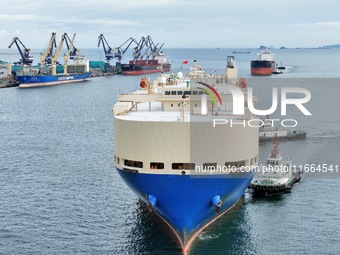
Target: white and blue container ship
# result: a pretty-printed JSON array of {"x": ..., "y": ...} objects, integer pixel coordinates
[{"x": 167, "y": 150}]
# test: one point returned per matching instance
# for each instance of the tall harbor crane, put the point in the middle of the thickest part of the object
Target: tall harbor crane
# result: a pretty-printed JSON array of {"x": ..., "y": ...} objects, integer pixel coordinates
[
  {"x": 120, "y": 51},
  {"x": 26, "y": 59},
  {"x": 56, "y": 55},
  {"x": 137, "y": 53},
  {"x": 46, "y": 57},
  {"x": 72, "y": 51},
  {"x": 111, "y": 53},
  {"x": 154, "y": 49},
  {"x": 107, "y": 49}
]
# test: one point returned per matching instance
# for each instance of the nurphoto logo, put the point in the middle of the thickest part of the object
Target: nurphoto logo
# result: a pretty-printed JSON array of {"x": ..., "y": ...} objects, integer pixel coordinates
[{"x": 239, "y": 98}]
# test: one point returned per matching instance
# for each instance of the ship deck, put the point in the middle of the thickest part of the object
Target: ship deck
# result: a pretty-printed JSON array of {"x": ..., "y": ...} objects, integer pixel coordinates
[{"x": 152, "y": 111}]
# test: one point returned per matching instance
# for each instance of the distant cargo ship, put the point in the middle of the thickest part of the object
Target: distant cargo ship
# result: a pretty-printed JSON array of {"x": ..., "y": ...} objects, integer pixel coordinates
[
  {"x": 159, "y": 64},
  {"x": 264, "y": 65}
]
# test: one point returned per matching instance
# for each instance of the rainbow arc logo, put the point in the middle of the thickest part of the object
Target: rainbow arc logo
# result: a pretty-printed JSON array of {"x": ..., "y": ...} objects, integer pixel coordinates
[{"x": 213, "y": 94}]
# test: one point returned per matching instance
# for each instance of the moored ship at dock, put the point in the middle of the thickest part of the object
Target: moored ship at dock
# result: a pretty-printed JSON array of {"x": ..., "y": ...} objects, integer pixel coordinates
[
  {"x": 137, "y": 67},
  {"x": 169, "y": 153},
  {"x": 76, "y": 67},
  {"x": 37, "y": 80},
  {"x": 149, "y": 60}
]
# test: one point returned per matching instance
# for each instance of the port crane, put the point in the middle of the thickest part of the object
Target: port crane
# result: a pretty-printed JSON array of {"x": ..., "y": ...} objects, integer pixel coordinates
[
  {"x": 120, "y": 51},
  {"x": 26, "y": 59},
  {"x": 147, "y": 49},
  {"x": 72, "y": 51},
  {"x": 46, "y": 57},
  {"x": 56, "y": 55},
  {"x": 107, "y": 49},
  {"x": 111, "y": 53},
  {"x": 117, "y": 52},
  {"x": 137, "y": 54},
  {"x": 154, "y": 49}
]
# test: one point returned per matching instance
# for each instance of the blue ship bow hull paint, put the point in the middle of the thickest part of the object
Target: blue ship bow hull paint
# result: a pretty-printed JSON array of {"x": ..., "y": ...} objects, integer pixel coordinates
[{"x": 184, "y": 201}]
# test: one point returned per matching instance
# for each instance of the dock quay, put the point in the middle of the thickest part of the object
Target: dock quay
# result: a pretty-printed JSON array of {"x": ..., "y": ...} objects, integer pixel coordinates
[{"x": 98, "y": 72}]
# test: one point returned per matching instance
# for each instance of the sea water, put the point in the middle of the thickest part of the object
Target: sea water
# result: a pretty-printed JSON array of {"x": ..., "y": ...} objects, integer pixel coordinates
[{"x": 60, "y": 193}]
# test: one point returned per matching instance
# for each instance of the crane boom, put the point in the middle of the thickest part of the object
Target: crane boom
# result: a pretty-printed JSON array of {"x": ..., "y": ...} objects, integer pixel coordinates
[
  {"x": 26, "y": 59},
  {"x": 56, "y": 55},
  {"x": 69, "y": 53},
  {"x": 154, "y": 49},
  {"x": 137, "y": 54},
  {"x": 72, "y": 50},
  {"x": 120, "y": 51},
  {"x": 107, "y": 49},
  {"x": 46, "y": 57}
]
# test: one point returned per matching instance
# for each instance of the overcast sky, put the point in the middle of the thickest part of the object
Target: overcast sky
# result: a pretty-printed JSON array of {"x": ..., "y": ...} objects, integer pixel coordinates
[{"x": 177, "y": 23}]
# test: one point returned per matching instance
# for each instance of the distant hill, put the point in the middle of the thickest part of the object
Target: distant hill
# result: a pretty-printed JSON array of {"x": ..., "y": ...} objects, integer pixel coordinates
[
  {"x": 263, "y": 47},
  {"x": 334, "y": 46}
]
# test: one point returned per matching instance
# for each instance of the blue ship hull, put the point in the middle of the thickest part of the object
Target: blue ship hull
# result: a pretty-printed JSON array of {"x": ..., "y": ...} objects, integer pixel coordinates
[
  {"x": 28, "y": 81},
  {"x": 184, "y": 202}
]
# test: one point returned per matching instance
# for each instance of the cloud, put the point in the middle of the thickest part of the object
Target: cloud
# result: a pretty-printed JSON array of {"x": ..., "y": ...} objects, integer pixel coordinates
[{"x": 188, "y": 23}]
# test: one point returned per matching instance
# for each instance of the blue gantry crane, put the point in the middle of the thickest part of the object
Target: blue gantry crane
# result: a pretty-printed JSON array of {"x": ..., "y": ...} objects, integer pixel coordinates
[
  {"x": 26, "y": 59},
  {"x": 111, "y": 53},
  {"x": 72, "y": 50},
  {"x": 107, "y": 49}
]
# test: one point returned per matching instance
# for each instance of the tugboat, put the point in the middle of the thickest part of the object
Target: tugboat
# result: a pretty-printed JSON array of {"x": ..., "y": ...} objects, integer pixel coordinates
[
  {"x": 281, "y": 67},
  {"x": 268, "y": 132},
  {"x": 276, "y": 176},
  {"x": 277, "y": 70}
]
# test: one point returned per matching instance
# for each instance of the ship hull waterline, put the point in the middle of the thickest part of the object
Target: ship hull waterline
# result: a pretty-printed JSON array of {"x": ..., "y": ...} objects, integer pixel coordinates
[
  {"x": 186, "y": 208},
  {"x": 137, "y": 69},
  {"x": 27, "y": 81},
  {"x": 139, "y": 72},
  {"x": 262, "y": 67}
]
